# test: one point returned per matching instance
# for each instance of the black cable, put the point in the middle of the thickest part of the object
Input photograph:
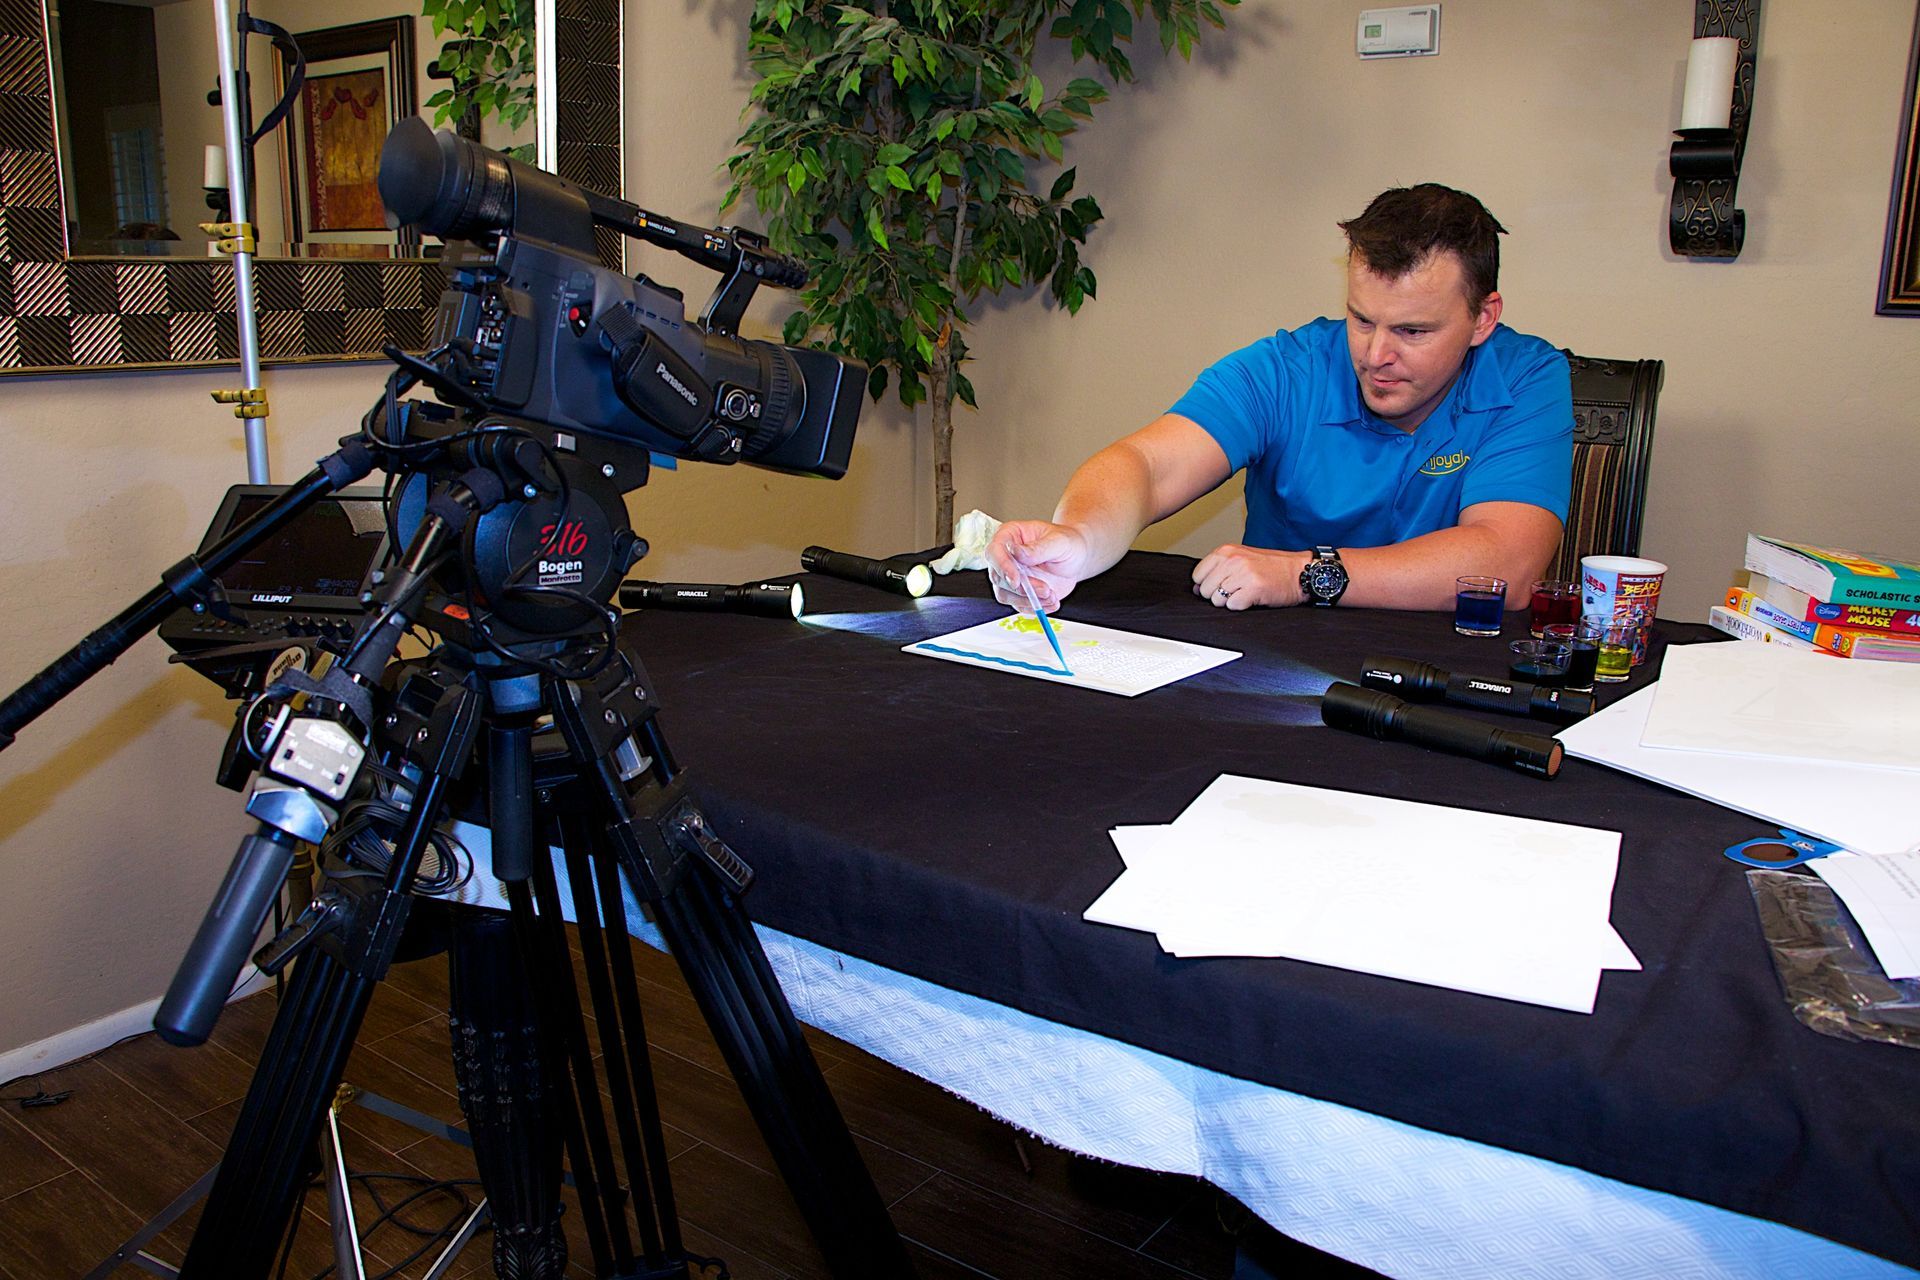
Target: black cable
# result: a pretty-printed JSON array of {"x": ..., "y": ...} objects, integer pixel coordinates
[
  {"x": 364, "y": 838},
  {"x": 429, "y": 1235}
]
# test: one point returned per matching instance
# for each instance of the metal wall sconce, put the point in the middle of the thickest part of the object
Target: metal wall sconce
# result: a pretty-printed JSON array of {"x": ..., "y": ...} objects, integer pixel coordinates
[{"x": 1717, "y": 105}]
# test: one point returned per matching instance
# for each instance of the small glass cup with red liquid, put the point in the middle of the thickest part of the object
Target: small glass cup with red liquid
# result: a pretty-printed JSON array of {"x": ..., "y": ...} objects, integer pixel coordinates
[{"x": 1553, "y": 602}]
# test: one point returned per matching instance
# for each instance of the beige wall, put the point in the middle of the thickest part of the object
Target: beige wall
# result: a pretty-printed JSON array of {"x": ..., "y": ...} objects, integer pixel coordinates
[
  {"x": 1788, "y": 403},
  {"x": 112, "y": 833}
]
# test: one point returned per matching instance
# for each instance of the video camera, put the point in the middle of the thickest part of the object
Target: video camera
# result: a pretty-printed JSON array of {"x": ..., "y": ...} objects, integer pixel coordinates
[
  {"x": 563, "y": 377},
  {"x": 532, "y": 325}
]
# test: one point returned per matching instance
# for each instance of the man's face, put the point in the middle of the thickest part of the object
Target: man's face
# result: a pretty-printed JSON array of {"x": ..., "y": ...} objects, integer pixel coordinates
[{"x": 1408, "y": 337}]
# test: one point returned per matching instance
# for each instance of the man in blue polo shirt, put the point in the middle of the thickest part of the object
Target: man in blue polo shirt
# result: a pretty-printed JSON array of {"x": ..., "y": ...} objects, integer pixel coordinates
[{"x": 1386, "y": 455}]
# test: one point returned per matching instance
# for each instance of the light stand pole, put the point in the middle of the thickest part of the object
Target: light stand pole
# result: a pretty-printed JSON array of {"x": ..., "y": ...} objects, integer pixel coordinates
[{"x": 237, "y": 236}]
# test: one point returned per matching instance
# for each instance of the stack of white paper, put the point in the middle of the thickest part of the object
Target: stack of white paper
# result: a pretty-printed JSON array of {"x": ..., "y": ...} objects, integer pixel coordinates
[
  {"x": 1480, "y": 902},
  {"x": 1821, "y": 745}
]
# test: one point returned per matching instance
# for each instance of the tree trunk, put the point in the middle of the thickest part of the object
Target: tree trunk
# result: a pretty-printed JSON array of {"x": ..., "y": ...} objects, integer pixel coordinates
[{"x": 940, "y": 407}]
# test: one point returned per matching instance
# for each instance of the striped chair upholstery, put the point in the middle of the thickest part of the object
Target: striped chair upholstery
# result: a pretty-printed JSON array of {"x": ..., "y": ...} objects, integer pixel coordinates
[{"x": 1613, "y": 406}]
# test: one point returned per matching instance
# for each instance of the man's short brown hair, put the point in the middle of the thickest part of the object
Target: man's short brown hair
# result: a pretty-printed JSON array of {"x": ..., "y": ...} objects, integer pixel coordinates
[{"x": 1405, "y": 226}]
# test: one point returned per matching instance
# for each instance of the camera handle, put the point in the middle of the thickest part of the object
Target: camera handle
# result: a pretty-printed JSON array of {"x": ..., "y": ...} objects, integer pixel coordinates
[{"x": 189, "y": 583}]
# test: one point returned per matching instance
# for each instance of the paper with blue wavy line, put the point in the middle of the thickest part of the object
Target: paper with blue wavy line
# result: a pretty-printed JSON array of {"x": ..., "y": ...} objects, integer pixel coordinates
[{"x": 1122, "y": 662}]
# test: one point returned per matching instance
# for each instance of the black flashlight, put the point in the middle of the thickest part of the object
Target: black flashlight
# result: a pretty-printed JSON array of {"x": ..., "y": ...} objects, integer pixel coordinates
[
  {"x": 767, "y": 599},
  {"x": 1383, "y": 716},
  {"x": 906, "y": 580},
  {"x": 1424, "y": 682}
]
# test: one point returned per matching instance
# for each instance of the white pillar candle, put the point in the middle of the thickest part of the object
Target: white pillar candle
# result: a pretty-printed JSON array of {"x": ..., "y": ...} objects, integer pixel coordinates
[
  {"x": 1708, "y": 100},
  {"x": 216, "y": 167}
]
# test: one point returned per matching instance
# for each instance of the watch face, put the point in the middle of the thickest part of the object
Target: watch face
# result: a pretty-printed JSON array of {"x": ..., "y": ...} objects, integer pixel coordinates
[{"x": 1325, "y": 579}]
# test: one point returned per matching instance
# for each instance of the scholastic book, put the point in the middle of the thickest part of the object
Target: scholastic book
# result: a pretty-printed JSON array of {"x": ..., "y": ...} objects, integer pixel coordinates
[
  {"x": 1804, "y": 608},
  {"x": 1835, "y": 576}
]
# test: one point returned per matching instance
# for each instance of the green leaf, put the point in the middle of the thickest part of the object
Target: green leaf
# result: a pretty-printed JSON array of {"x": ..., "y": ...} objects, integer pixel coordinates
[
  {"x": 934, "y": 183},
  {"x": 943, "y": 129},
  {"x": 1034, "y": 93},
  {"x": 874, "y": 228},
  {"x": 892, "y": 153},
  {"x": 898, "y": 177}
]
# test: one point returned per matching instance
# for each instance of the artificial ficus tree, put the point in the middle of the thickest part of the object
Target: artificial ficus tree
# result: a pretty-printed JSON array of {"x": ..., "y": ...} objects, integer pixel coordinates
[
  {"x": 488, "y": 62},
  {"x": 894, "y": 152}
]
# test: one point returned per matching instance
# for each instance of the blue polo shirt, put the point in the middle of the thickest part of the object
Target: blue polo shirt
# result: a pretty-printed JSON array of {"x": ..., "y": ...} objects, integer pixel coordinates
[{"x": 1322, "y": 468}]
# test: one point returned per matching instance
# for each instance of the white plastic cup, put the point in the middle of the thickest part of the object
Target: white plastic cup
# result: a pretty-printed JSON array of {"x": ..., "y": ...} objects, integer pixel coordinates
[{"x": 1612, "y": 586}]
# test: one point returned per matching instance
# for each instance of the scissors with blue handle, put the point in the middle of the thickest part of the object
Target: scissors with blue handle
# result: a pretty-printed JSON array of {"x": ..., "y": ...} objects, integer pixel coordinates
[{"x": 1788, "y": 849}]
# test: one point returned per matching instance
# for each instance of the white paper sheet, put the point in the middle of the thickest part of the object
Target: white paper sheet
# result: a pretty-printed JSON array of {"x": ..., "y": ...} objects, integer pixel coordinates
[
  {"x": 1770, "y": 701},
  {"x": 1867, "y": 810},
  {"x": 1102, "y": 658},
  {"x": 1479, "y": 902},
  {"x": 1884, "y": 896}
]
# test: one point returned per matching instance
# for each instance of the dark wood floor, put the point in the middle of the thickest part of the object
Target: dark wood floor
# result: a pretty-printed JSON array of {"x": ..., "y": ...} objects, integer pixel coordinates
[{"x": 143, "y": 1120}]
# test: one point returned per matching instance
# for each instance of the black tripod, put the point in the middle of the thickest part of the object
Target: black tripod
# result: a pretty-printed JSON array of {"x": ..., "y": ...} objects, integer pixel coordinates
[
  {"x": 611, "y": 793},
  {"x": 465, "y": 719}
]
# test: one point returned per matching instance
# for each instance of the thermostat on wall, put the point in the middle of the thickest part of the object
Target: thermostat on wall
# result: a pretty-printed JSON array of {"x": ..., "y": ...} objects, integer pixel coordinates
[{"x": 1406, "y": 32}]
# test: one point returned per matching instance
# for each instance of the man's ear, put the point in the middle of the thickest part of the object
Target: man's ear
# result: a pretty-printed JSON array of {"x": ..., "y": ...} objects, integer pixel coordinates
[{"x": 1489, "y": 316}]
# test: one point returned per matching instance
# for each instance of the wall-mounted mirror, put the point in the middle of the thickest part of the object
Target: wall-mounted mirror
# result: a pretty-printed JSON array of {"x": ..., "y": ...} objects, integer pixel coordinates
[{"x": 99, "y": 176}]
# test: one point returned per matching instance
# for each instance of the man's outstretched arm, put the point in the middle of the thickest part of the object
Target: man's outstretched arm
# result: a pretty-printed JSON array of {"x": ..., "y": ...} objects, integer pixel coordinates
[{"x": 1116, "y": 493}]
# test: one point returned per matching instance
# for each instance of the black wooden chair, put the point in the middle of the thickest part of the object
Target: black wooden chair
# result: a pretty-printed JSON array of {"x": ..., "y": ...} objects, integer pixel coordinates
[{"x": 1613, "y": 407}]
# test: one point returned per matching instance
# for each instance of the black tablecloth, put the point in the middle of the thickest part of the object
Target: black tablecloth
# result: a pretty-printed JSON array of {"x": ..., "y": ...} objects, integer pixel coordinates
[{"x": 950, "y": 822}]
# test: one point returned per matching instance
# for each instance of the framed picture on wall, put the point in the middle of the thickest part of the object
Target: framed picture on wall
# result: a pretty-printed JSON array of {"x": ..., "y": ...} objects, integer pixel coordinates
[
  {"x": 1900, "y": 263},
  {"x": 359, "y": 84}
]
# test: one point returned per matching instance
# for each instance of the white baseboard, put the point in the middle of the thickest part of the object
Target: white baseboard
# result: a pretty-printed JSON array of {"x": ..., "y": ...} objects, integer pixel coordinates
[{"x": 78, "y": 1042}]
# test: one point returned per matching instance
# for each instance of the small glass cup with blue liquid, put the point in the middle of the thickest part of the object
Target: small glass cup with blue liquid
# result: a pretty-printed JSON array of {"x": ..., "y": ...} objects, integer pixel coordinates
[{"x": 1478, "y": 604}]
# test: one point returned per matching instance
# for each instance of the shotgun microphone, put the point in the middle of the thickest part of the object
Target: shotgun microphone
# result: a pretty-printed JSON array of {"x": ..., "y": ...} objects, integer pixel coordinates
[
  {"x": 1424, "y": 682},
  {"x": 1383, "y": 716}
]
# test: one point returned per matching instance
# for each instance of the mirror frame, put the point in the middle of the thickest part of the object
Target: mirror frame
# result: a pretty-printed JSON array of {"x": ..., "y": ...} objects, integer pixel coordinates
[{"x": 63, "y": 315}]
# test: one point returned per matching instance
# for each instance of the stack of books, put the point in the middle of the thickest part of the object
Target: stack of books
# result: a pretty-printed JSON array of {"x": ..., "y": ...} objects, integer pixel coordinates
[{"x": 1839, "y": 602}]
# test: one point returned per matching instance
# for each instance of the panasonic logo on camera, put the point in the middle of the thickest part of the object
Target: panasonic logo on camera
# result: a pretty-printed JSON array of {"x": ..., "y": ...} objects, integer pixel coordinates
[{"x": 666, "y": 376}]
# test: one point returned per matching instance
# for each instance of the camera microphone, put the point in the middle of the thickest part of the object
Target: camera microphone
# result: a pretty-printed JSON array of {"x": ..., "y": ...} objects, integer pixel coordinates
[
  {"x": 1424, "y": 682},
  {"x": 765, "y": 599},
  {"x": 914, "y": 580},
  {"x": 1383, "y": 716}
]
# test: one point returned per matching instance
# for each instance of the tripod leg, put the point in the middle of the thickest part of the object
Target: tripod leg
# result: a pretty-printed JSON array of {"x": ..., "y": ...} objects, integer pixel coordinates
[
  {"x": 265, "y": 1166},
  {"x": 623, "y": 1056},
  {"x": 505, "y": 1084},
  {"x": 267, "y": 1160},
  {"x": 711, "y": 937}
]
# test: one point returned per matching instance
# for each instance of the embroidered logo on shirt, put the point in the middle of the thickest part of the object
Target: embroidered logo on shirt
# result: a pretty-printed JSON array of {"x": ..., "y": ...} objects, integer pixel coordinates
[{"x": 1441, "y": 464}]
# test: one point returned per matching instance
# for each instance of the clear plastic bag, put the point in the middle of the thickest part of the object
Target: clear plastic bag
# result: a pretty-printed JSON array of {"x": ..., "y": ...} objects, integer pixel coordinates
[{"x": 1833, "y": 982}]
